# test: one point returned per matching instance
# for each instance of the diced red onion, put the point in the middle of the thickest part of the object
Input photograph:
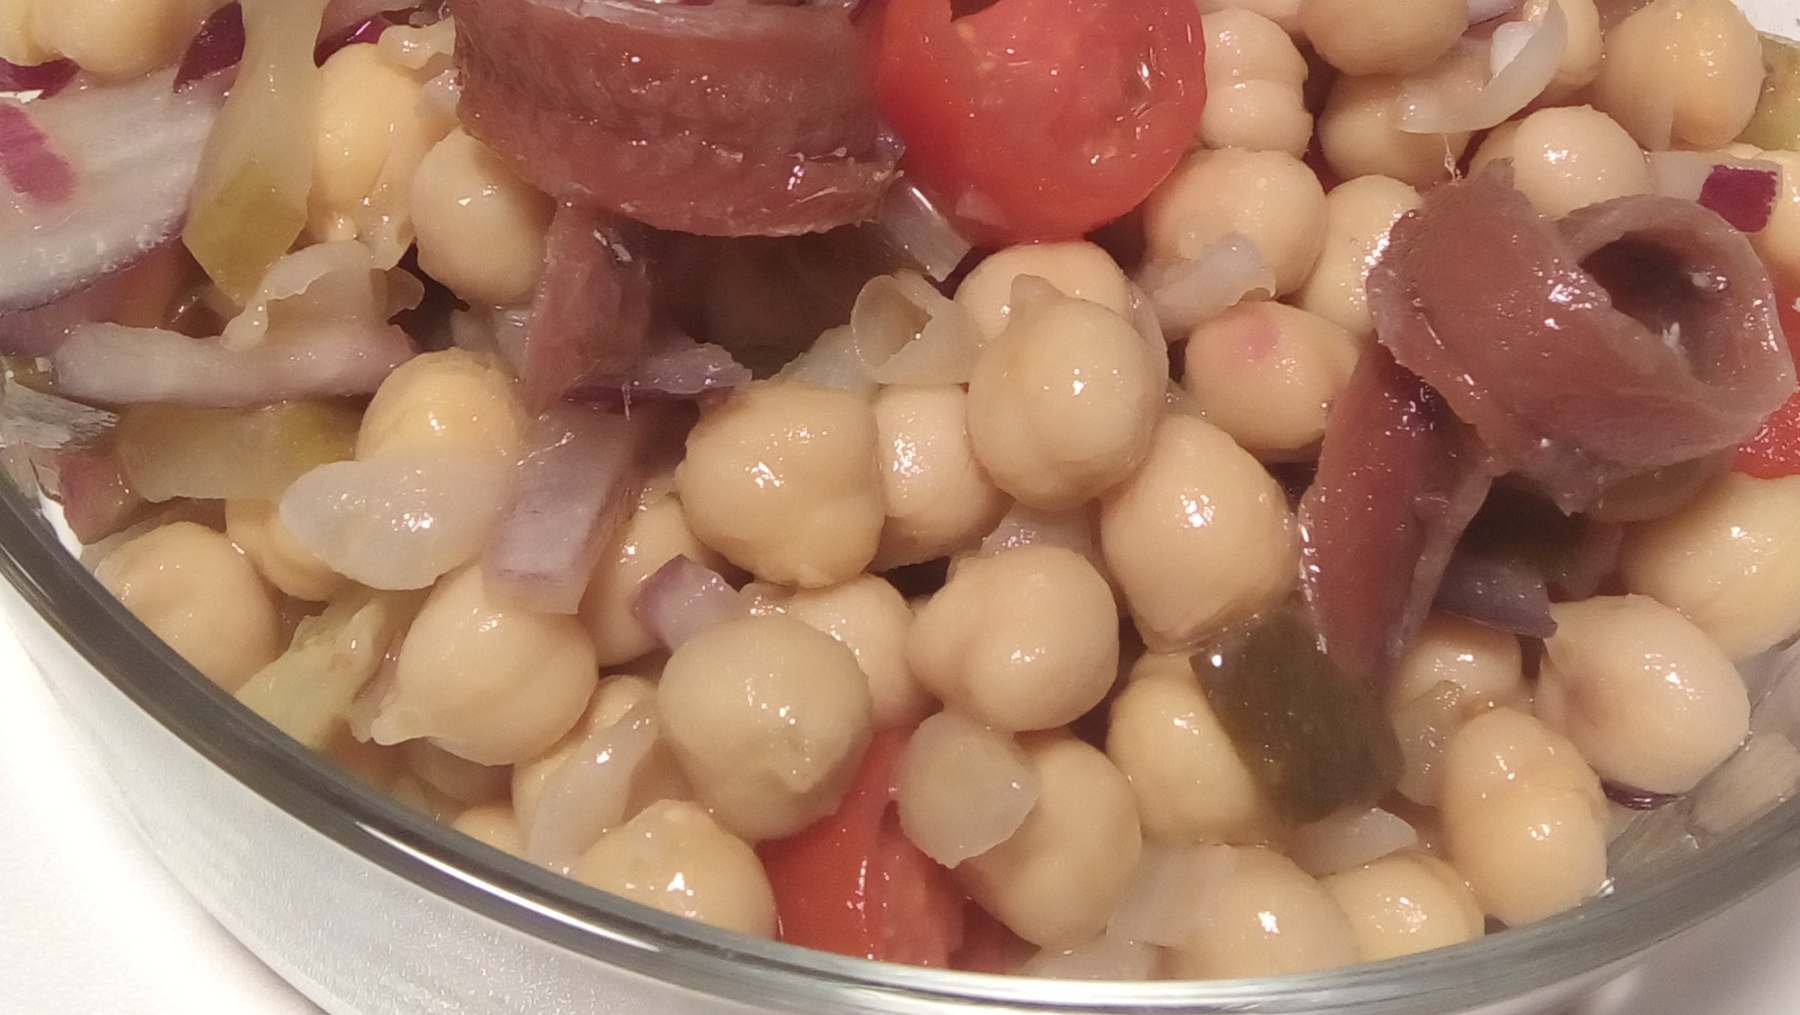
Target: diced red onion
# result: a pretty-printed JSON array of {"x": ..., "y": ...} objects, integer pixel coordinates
[
  {"x": 1169, "y": 892},
  {"x": 590, "y": 312},
  {"x": 962, "y": 788},
  {"x": 1104, "y": 958},
  {"x": 97, "y": 499},
  {"x": 116, "y": 365},
  {"x": 31, "y": 167},
  {"x": 1349, "y": 839},
  {"x": 588, "y": 793},
  {"x": 1522, "y": 65},
  {"x": 1763, "y": 774},
  {"x": 36, "y": 81},
  {"x": 398, "y": 521},
  {"x": 914, "y": 225},
  {"x": 1741, "y": 191},
  {"x": 1188, "y": 292},
  {"x": 576, "y": 485},
  {"x": 1505, "y": 595},
  {"x": 33, "y": 419},
  {"x": 138, "y": 146},
  {"x": 1488, "y": 10},
  {"x": 683, "y": 598},
  {"x": 1633, "y": 799},
  {"x": 219, "y": 46}
]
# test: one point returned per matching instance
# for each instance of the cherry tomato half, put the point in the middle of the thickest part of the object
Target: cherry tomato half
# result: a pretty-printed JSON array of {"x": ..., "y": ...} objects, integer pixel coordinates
[
  {"x": 853, "y": 883},
  {"x": 1041, "y": 119},
  {"x": 1775, "y": 450}
]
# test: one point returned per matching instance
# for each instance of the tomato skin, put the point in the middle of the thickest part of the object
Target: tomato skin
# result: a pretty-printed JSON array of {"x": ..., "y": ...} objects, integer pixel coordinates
[
  {"x": 1041, "y": 119},
  {"x": 852, "y": 883},
  {"x": 1774, "y": 452}
]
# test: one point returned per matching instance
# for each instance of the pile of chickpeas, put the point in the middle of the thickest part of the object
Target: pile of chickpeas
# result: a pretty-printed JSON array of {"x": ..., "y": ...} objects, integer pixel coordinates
[{"x": 810, "y": 497}]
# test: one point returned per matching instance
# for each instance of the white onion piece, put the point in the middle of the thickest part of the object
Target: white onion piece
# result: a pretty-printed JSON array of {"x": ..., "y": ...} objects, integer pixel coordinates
[
  {"x": 401, "y": 520},
  {"x": 576, "y": 485},
  {"x": 1169, "y": 891},
  {"x": 962, "y": 788},
  {"x": 587, "y": 794},
  {"x": 914, "y": 225},
  {"x": 683, "y": 598},
  {"x": 1752, "y": 782},
  {"x": 1349, "y": 839},
  {"x": 1188, "y": 292},
  {"x": 115, "y": 364},
  {"x": 1423, "y": 727},
  {"x": 32, "y": 419},
  {"x": 136, "y": 149},
  {"x": 326, "y": 283},
  {"x": 832, "y": 361},
  {"x": 1428, "y": 108},
  {"x": 906, "y": 332},
  {"x": 1104, "y": 958},
  {"x": 1488, "y": 10}
]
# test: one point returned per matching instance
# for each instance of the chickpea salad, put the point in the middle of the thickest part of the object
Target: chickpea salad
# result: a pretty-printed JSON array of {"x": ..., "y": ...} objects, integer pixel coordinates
[{"x": 1117, "y": 489}]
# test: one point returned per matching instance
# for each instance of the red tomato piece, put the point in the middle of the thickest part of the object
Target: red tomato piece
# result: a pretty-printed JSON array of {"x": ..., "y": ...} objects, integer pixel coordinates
[
  {"x": 1041, "y": 119},
  {"x": 853, "y": 883},
  {"x": 1775, "y": 450}
]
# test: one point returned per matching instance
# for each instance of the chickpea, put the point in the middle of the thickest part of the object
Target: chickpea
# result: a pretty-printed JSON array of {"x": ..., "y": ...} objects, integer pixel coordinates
[
  {"x": 1778, "y": 243},
  {"x": 197, "y": 592},
  {"x": 939, "y": 499},
  {"x": 255, "y": 526},
  {"x": 658, "y": 777},
  {"x": 480, "y": 228},
  {"x": 1026, "y": 640},
  {"x": 1271, "y": 198},
  {"x": 1729, "y": 561},
  {"x": 1698, "y": 62},
  {"x": 463, "y": 781},
  {"x": 675, "y": 858},
  {"x": 1383, "y": 36},
  {"x": 656, "y": 533},
  {"x": 1200, "y": 506},
  {"x": 1285, "y": 13},
  {"x": 1265, "y": 373},
  {"x": 782, "y": 479},
  {"x": 486, "y": 680},
  {"x": 1061, "y": 406},
  {"x": 1268, "y": 918},
  {"x": 371, "y": 128},
  {"x": 16, "y": 42},
  {"x": 1079, "y": 270},
  {"x": 1567, "y": 158},
  {"x": 492, "y": 824},
  {"x": 1581, "y": 58},
  {"x": 872, "y": 619},
  {"x": 1254, "y": 76},
  {"x": 1486, "y": 665},
  {"x": 1523, "y": 816},
  {"x": 1359, "y": 214},
  {"x": 768, "y": 719},
  {"x": 1190, "y": 782},
  {"x": 1056, "y": 881},
  {"x": 1360, "y": 134},
  {"x": 1406, "y": 904},
  {"x": 1646, "y": 696},
  {"x": 454, "y": 397},
  {"x": 118, "y": 39}
]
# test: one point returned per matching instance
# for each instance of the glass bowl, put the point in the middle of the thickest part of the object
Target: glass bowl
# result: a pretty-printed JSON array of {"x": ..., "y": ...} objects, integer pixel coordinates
[{"x": 368, "y": 907}]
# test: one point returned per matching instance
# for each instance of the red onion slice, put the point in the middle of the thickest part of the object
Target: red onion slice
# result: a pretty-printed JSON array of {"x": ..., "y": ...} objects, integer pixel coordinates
[
  {"x": 1506, "y": 595},
  {"x": 1189, "y": 292},
  {"x": 218, "y": 47},
  {"x": 1741, "y": 191},
  {"x": 36, "y": 81},
  {"x": 962, "y": 788},
  {"x": 913, "y": 225},
  {"x": 1349, "y": 839},
  {"x": 683, "y": 598},
  {"x": 1523, "y": 63},
  {"x": 399, "y": 521},
  {"x": 32, "y": 168},
  {"x": 590, "y": 313},
  {"x": 576, "y": 485},
  {"x": 587, "y": 794},
  {"x": 138, "y": 149},
  {"x": 116, "y": 365},
  {"x": 96, "y": 497}
]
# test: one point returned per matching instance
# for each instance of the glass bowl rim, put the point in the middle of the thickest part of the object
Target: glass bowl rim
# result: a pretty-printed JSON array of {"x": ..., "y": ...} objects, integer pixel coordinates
[{"x": 1603, "y": 932}]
